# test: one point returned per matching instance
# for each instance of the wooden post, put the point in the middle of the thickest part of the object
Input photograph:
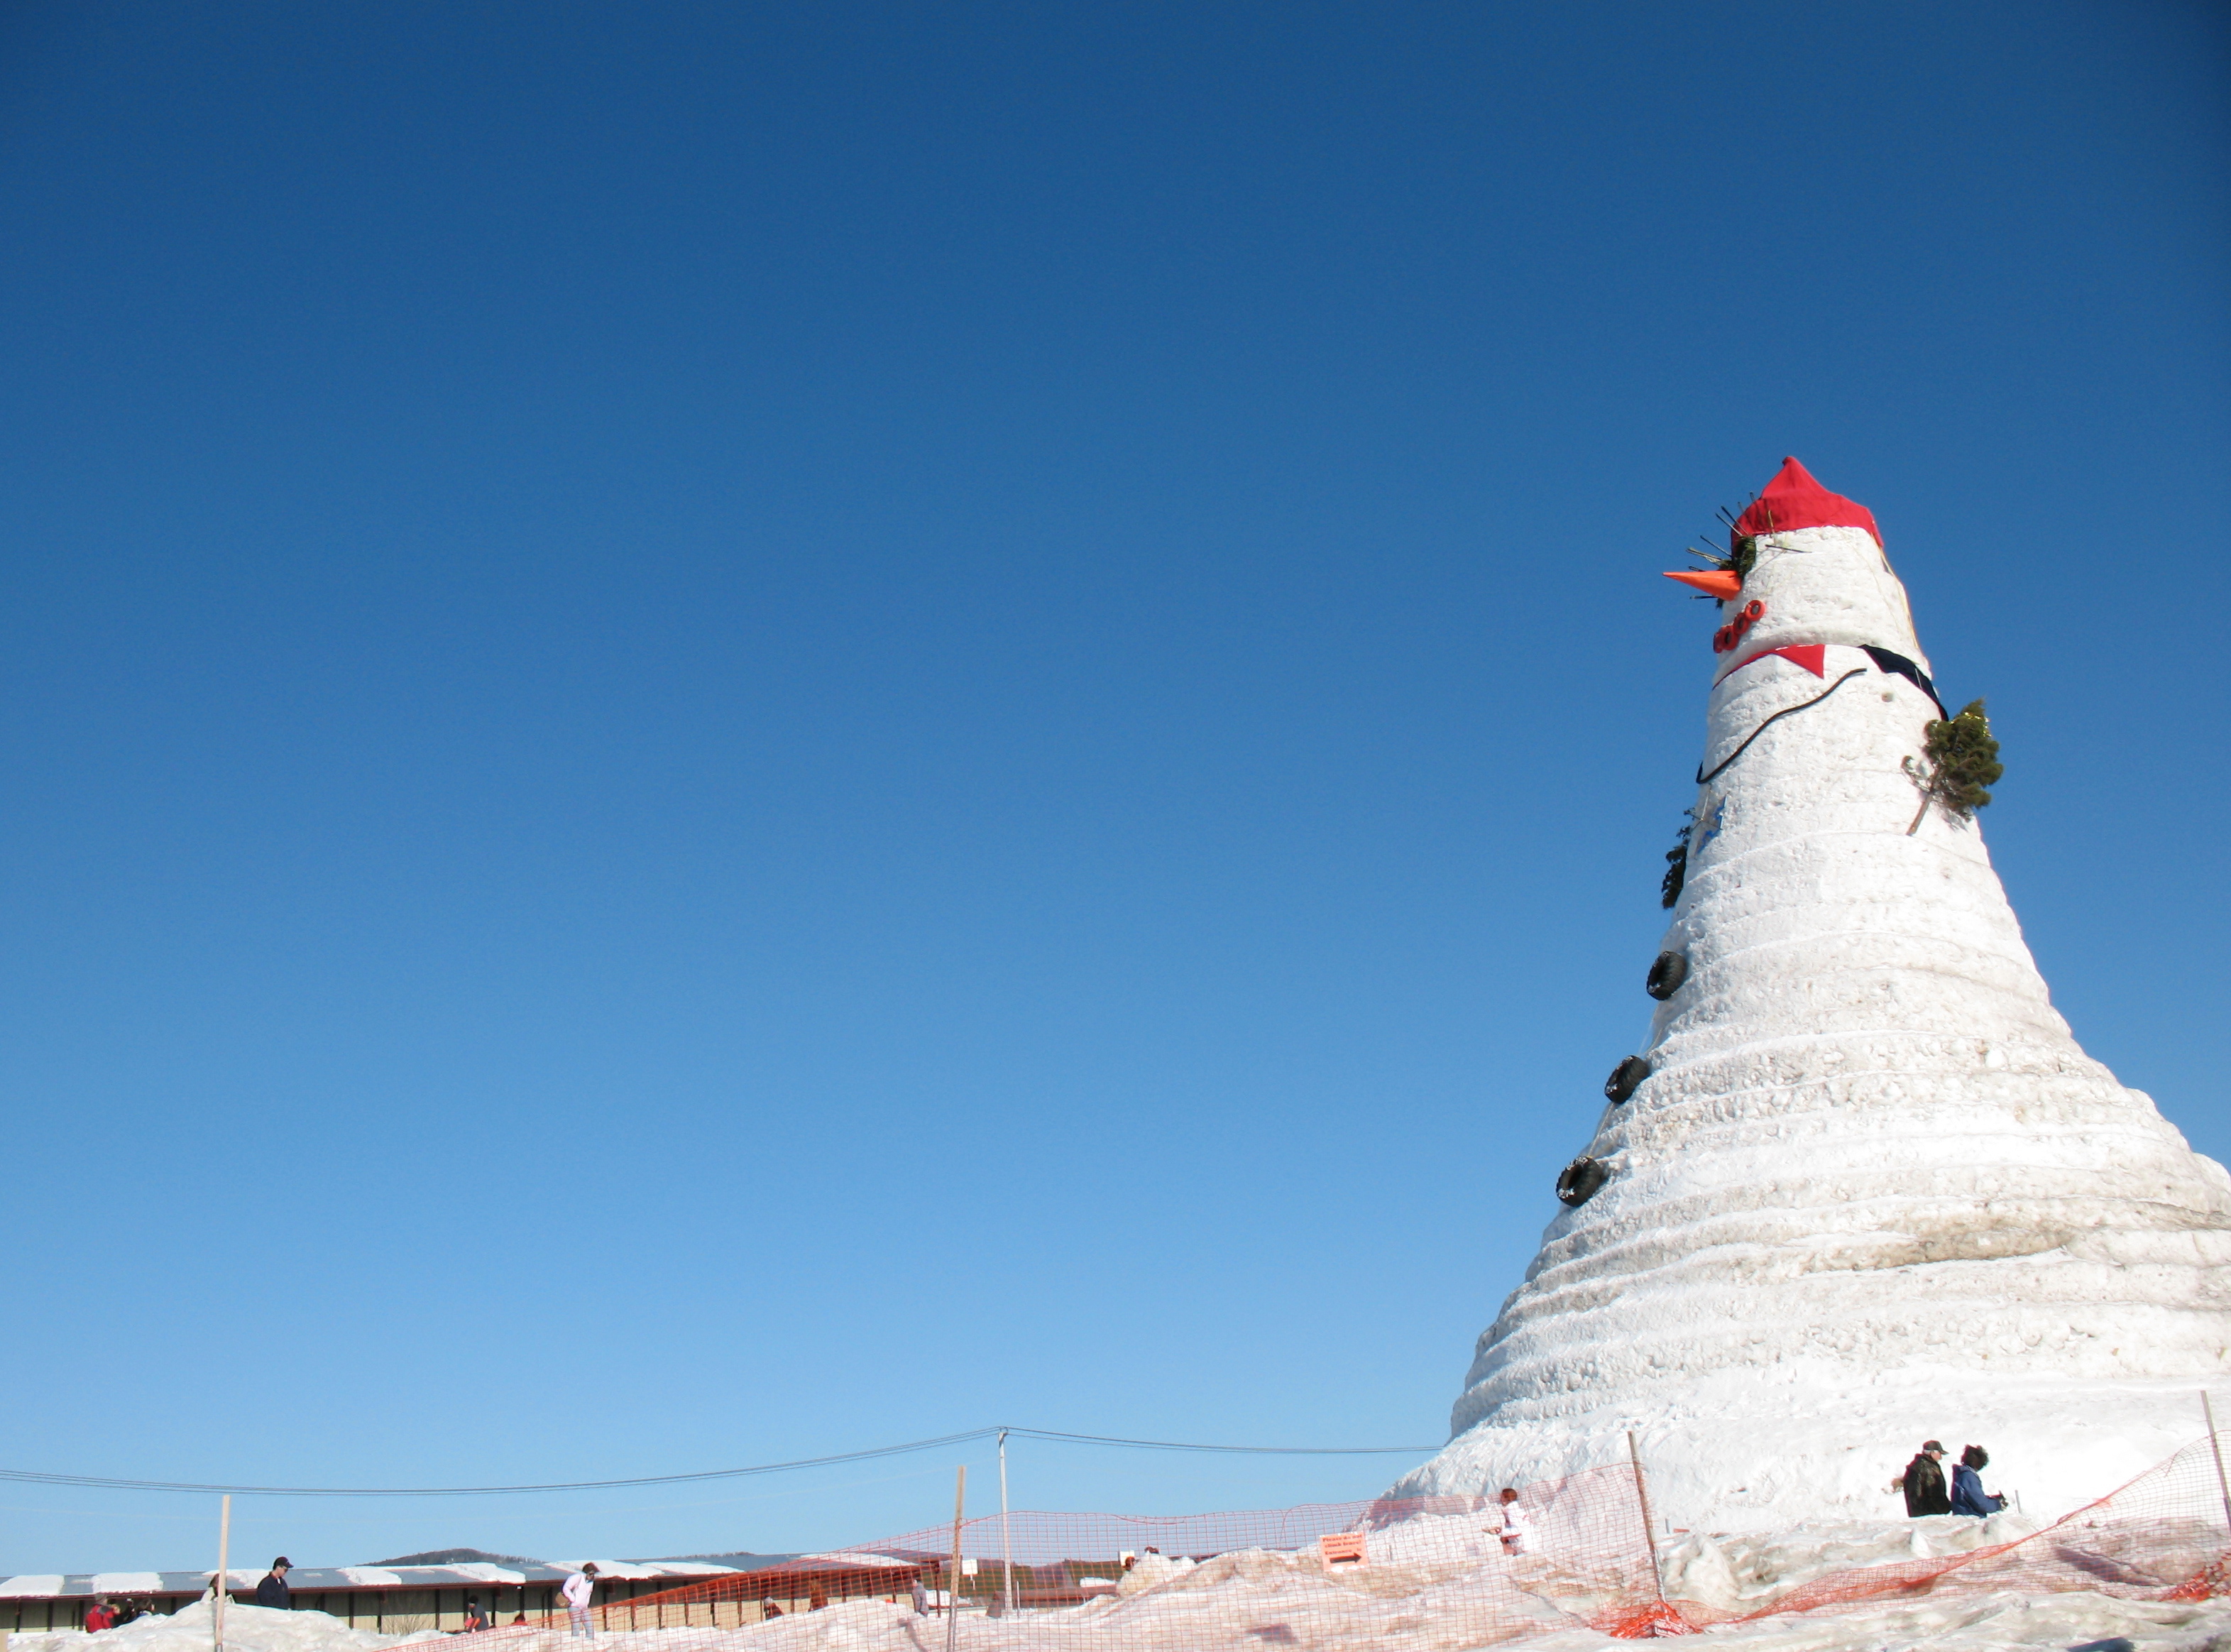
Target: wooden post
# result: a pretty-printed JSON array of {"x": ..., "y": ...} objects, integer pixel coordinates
[
  {"x": 953, "y": 1594},
  {"x": 217, "y": 1600},
  {"x": 1006, "y": 1548},
  {"x": 2215, "y": 1446},
  {"x": 1649, "y": 1525}
]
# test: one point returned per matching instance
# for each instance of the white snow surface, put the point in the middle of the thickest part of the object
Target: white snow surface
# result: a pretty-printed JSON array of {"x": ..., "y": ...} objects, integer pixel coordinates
[
  {"x": 1978, "y": 1623},
  {"x": 1994, "y": 1622},
  {"x": 1434, "y": 1584},
  {"x": 1872, "y": 1191},
  {"x": 246, "y": 1629}
]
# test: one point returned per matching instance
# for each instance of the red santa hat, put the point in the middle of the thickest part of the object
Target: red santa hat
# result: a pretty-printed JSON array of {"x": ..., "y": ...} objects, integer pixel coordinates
[{"x": 1792, "y": 499}]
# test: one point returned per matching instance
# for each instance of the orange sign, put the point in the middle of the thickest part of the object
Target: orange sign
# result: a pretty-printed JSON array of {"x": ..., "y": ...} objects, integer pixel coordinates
[{"x": 1342, "y": 1548}]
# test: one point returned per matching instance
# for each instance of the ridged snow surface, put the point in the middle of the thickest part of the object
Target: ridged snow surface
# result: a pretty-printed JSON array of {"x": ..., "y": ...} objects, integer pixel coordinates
[{"x": 1871, "y": 1192}]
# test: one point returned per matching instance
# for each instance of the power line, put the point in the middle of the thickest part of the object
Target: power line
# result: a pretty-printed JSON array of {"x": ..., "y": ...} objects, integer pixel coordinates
[
  {"x": 1268, "y": 1451},
  {"x": 36, "y": 1477}
]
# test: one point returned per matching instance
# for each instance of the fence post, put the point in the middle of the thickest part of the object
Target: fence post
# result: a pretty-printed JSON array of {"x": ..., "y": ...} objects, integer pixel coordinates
[
  {"x": 953, "y": 1594},
  {"x": 2221, "y": 1485},
  {"x": 217, "y": 1600},
  {"x": 1006, "y": 1548},
  {"x": 1649, "y": 1525}
]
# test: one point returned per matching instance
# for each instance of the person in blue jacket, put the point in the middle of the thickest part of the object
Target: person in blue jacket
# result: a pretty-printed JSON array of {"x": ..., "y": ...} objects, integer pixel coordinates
[{"x": 1968, "y": 1496}]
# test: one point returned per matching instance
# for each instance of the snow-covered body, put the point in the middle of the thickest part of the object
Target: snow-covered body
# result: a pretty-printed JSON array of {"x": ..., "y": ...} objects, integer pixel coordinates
[{"x": 1871, "y": 1192}]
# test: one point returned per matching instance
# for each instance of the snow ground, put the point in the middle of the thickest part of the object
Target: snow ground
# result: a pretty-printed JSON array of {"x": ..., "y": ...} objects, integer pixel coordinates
[
  {"x": 1742, "y": 1573},
  {"x": 1995, "y": 1623},
  {"x": 1434, "y": 1591},
  {"x": 246, "y": 1629},
  {"x": 1985, "y": 1623}
]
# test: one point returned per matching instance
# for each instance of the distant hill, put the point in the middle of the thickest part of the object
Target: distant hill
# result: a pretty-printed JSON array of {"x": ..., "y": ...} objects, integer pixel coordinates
[
  {"x": 456, "y": 1556},
  {"x": 743, "y": 1560}
]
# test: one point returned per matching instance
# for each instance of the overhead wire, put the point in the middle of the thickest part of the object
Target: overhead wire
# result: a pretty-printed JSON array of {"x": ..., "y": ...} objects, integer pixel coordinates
[{"x": 107, "y": 1482}]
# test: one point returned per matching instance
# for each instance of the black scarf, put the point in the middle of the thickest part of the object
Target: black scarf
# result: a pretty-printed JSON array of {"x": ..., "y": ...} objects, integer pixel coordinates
[{"x": 1899, "y": 666}]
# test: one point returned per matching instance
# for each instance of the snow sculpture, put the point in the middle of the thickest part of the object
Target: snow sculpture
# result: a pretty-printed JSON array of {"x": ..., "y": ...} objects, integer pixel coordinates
[{"x": 1870, "y": 1191}]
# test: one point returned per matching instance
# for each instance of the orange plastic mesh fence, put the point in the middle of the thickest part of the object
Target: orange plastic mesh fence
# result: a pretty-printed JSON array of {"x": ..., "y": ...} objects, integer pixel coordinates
[
  {"x": 2165, "y": 1536},
  {"x": 1435, "y": 1575}
]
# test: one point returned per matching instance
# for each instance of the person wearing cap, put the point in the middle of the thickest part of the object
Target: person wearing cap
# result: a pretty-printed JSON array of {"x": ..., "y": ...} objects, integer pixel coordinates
[
  {"x": 273, "y": 1591},
  {"x": 579, "y": 1590},
  {"x": 1924, "y": 1483}
]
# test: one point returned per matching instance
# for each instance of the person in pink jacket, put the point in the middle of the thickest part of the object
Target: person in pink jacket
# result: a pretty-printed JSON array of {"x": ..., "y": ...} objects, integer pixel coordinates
[{"x": 579, "y": 1590}]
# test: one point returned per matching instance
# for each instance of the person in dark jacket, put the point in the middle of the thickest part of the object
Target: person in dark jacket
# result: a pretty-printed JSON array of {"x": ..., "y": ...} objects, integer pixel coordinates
[
  {"x": 273, "y": 1591},
  {"x": 1968, "y": 1496},
  {"x": 1925, "y": 1492}
]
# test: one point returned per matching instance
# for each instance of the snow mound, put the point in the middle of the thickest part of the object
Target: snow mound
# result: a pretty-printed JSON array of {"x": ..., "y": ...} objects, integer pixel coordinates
[
  {"x": 246, "y": 1629},
  {"x": 1737, "y": 1572}
]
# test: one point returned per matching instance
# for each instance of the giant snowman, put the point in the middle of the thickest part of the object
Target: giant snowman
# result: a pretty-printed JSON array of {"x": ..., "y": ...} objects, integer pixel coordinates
[{"x": 1871, "y": 1192}]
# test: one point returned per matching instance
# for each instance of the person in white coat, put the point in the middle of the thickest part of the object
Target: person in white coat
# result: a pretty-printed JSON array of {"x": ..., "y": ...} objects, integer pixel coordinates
[
  {"x": 579, "y": 1590},
  {"x": 1517, "y": 1529}
]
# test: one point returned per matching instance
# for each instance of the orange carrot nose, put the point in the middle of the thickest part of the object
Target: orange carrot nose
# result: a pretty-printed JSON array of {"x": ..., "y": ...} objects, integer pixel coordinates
[{"x": 1723, "y": 583}]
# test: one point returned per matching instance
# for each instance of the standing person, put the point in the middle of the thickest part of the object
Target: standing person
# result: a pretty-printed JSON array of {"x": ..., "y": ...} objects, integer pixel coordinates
[
  {"x": 1924, "y": 1483},
  {"x": 1517, "y": 1529},
  {"x": 579, "y": 1590},
  {"x": 273, "y": 1591},
  {"x": 475, "y": 1619},
  {"x": 1968, "y": 1496},
  {"x": 921, "y": 1597},
  {"x": 100, "y": 1616}
]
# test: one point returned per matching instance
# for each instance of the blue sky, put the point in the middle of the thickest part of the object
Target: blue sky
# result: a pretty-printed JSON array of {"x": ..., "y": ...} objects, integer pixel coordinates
[{"x": 737, "y": 731}]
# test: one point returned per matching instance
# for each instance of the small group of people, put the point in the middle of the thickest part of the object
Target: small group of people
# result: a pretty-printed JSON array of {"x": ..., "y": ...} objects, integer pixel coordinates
[
  {"x": 480, "y": 1619},
  {"x": 273, "y": 1593},
  {"x": 1928, "y": 1491},
  {"x": 105, "y": 1613}
]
